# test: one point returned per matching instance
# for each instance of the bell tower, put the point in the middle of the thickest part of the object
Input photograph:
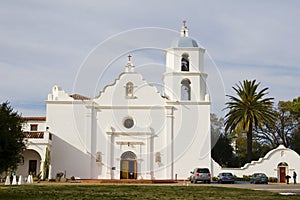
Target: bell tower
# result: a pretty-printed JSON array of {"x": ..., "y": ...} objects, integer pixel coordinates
[
  {"x": 185, "y": 89},
  {"x": 184, "y": 79}
]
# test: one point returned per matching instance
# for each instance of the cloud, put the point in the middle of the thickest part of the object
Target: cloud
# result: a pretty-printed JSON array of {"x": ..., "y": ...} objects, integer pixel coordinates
[{"x": 45, "y": 42}]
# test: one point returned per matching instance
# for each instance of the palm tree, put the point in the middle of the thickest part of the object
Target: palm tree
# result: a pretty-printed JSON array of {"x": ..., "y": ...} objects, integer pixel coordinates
[{"x": 250, "y": 109}]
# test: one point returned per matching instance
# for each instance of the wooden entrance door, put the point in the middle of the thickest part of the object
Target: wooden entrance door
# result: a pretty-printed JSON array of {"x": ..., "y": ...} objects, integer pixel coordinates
[
  {"x": 128, "y": 169},
  {"x": 282, "y": 174},
  {"x": 32, "y": 167}
]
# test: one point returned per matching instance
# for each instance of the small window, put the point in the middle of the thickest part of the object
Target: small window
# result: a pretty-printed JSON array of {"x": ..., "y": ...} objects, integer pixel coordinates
[
  {"x": 185, "y": 64},
  {"x": 203, "y": 170},
  {"x": 33, "y": 127},
  {"x": 129, "y": 89}
]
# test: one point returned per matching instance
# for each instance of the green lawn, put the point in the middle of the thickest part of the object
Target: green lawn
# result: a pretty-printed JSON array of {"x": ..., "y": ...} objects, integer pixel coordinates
[{"x": 103, "y": 191}]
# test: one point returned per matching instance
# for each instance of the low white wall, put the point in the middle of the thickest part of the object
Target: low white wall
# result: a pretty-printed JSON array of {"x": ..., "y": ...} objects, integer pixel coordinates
[{"x": 267, "y": 164}]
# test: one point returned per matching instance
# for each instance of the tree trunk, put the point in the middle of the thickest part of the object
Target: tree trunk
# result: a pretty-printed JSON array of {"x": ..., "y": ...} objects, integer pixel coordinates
[{"x": 249, "y": 143}]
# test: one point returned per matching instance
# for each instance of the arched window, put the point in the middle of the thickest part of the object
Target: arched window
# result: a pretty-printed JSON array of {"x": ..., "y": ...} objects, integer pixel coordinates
[
  {"x": 185, "y": 64},
  {"x": 128, "y": 155},
  {"x": 129, "y": 89},
  {"x": 185, "y": 89}
]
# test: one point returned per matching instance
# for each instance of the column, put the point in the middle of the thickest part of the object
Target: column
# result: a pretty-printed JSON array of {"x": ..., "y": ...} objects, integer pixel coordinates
[
  {"x": 93, "y": 138},
  {"x": 170, "y": 143},
  {"x": 50, "y": 172},
  {"x": 150, "y": 156},
  {"x": 42, "y": 169},
  {"x": 90, "y": 138},
  {"x": 87, "y": 138},
  {"x": 112, "y": 155}
]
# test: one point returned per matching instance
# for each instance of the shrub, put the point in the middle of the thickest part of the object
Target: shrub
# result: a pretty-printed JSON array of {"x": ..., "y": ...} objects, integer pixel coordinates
[
  {"x": 59, "y": 175},
  {"x": 72, "y": 178},
  {"x": 273, "y": 179},
  {"x": 35, "y": 178},
  {"x": 246, "y": 178}
]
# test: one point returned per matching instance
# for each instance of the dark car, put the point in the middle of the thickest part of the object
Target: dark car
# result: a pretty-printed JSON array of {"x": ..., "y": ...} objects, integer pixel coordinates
[
  {"x": 200, "y": 174},
  {"x": 259, "y": 178},
  {"x": 225, "y": 177}
]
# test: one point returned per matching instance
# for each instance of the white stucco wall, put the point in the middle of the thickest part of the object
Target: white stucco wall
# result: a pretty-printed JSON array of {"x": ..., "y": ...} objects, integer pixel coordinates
[
  {"x": 268, "y": 164},
  {"x": 191, "y": 138},
  {"x": 70, "y": 143}
]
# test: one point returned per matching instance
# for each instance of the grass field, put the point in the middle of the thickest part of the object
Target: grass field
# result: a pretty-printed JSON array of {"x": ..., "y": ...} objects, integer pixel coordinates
[{"x": 103, "y": 191}]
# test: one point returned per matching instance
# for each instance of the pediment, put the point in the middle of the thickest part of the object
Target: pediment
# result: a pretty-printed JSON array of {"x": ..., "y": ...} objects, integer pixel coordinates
[{"x": 139, "y": 93}]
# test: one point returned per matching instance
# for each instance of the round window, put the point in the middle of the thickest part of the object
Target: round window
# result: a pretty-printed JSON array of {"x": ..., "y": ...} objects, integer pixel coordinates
[{"x": 128, "y": 123}]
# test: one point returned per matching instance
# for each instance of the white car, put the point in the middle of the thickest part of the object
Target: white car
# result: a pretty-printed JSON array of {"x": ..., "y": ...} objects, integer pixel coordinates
[{"x": 200, "y": 174}]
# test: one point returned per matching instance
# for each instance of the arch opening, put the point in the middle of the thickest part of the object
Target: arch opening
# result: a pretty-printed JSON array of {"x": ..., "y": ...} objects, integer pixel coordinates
[
  {"x": 185, "y": 90},
  {"x": 128, "y": 165},
  {"x": 185, "y": 63}
]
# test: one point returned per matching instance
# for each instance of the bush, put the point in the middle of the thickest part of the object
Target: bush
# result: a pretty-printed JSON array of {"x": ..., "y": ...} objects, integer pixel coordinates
[
  {"x": 59, "y": 175},
  {"x": 214, "y": 178},
  {"x": 246, "y": 177},
  {"x": 72, "y": 178},
  {"x": 273, "y": 179},
  {"x": 35, "y": 178}
]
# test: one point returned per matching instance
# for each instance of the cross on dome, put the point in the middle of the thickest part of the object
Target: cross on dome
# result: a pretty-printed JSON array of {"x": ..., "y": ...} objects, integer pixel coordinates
[
  {"x": 184, "y": 30},
  {"x": 129, "y": 57}
]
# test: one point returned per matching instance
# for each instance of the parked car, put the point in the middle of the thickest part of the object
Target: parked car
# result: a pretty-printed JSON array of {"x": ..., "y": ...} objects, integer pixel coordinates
[
  {"x": 225, "y": 177},
  {"x": 200, "y": 174},
  {"x": 259, "y": 178}
]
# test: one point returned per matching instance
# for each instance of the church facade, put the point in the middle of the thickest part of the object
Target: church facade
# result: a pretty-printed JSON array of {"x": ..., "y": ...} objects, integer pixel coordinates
[{"x": 130, "y": 130}]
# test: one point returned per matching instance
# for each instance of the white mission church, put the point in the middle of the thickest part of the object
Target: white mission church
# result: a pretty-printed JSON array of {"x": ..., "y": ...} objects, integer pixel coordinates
[{"x": 131, "y": 131}]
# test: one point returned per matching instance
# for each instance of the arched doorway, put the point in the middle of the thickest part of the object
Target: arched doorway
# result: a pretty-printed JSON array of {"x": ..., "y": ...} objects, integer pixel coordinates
[
  {"x": 128, "y": 165},
  {"x": 282, "y": 168},
  {"x": 31, "y": 164}
]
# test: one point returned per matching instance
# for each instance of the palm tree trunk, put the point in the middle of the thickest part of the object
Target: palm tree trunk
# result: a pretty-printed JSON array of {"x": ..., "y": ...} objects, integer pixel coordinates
[{"x": 249, "y": 143}]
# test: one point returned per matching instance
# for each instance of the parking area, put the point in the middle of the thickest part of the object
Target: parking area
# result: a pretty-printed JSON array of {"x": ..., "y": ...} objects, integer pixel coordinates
[{"x": 284, "y": 189}]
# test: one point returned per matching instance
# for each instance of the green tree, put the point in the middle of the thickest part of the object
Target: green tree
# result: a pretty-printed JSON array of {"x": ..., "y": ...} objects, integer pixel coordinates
[
  {"x": 216, "y": 128},
  {"x": 295, "y": 111},
  {"x": 295, "y": 107},
  {"x": 46, "y": 164},
  {"x": 222, "y": 151},
  {"x": 285, "y": 129},
  {"x": 12, "y": 142},
  {"x": 239, "y": 143},
  {"x": 250, "y": 109}
]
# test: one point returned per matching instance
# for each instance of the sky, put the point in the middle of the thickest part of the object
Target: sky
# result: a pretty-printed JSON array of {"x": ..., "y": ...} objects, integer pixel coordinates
[{"x": 81, "y": 45}]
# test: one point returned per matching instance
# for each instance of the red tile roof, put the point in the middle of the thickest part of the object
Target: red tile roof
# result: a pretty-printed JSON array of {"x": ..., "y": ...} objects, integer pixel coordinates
[
  {"x": 79, "y": 97},
  {"x": 34, "y": 118}
]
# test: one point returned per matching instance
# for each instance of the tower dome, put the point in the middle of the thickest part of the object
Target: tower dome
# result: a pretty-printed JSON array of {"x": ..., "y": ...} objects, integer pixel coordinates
[{"x": 184, "y": 40}]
